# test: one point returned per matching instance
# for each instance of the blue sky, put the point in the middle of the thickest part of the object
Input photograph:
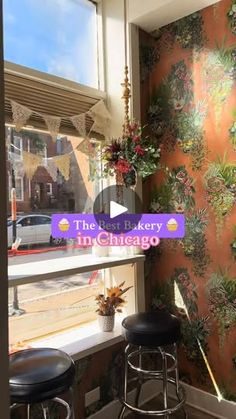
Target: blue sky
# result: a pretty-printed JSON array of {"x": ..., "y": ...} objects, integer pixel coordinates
[{"x": 54, "y": 36}]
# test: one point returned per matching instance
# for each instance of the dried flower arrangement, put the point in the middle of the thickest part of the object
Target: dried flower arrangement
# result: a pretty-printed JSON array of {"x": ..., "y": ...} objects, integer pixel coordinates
[
  {"x": 133, "y": 154},
  {"x": 111, "y": 303}
]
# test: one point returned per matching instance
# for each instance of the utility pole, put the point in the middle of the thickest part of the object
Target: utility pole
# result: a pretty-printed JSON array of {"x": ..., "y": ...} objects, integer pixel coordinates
[{"x": 16, "y": 310}]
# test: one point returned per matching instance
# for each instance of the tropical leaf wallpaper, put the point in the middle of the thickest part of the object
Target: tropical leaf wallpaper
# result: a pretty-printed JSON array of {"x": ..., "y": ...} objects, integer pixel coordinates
[{"x": 188, "y": 98}]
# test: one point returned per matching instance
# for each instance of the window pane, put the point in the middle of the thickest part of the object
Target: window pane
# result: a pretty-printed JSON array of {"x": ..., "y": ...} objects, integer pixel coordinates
[
  {"x": 55, "y": 305},
  {"x": 19, "y": 189},
  {"x": 54, "y": 36},
  {"x": 47, "y": 191}
]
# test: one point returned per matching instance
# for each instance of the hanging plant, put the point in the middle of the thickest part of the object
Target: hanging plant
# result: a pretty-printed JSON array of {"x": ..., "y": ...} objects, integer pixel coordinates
[
  {"x": 220, "y": 182},
  {"x": 134, "y": 154},
  {"x": 232, "y": 17},
  {"x": 190, "y": 136},
  {"x": 195, "y": 335},
  {"x": 176, "y": 194},
  {"x": 221, "y": 291},
  {"x": 149, "y": 57},
  {"x": 182, "y": 190},
  {"x": 171, "y": 96},
  {"x": 232, "y": 131},
  {"x": 233, "y": 244},
  {"x": 194, "y": 242},
  {"x": 189, "y": 32},
  {"x": 180, "y": 83},
  {"x": 187, "y": 290},
  {"x": 220, "y": 81},
  {"x": 164, "y": 296},
  {"x": 165, "y": 38},
  {"x": 160, "y": 117}
]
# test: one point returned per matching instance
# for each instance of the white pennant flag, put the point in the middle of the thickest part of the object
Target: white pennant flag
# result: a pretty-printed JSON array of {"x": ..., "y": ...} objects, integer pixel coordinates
[
  {"x": 101, "y": 117},
  {"x": 31, "y": 163},
  {"x": 20, "y": 115},
  {"x": 53, "y": 123},
  {"x": 79, "y": 122},
  {"x": 63, "y": 164},
  {"x": 101, "y": 126},
  {"x": 99, "y": 110}
]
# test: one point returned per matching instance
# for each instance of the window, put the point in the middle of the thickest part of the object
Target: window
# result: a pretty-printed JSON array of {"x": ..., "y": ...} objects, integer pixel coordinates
[
  {"x": 15, "y": 148},
  {"x": 19, "y": 186},
  {"x": 49, "y": 188},
  {"x": 27, "y": 221},
  {"x": 64, "y": 38},
  {"x": 58, "y": 37},
  {"x": 40, "y": 220}
]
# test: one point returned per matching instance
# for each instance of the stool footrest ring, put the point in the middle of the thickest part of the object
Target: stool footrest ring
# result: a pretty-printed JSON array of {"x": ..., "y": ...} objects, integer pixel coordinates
[
  {"x": 55, "y": 399},
  {"x": 162, "y": 412}
]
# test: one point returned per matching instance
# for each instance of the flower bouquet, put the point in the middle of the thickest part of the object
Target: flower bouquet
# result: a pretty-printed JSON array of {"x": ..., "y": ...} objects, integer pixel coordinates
[
  {"x": 109, "y": 305},
  {"x": 132, "y": 155}
]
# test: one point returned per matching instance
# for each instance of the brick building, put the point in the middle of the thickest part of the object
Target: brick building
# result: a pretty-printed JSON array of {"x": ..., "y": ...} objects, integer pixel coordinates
[{"x": 42, "y": 193}]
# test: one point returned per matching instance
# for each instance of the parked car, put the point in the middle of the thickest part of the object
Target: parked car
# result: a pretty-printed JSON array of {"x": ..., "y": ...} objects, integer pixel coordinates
[{"x": 32, "y": 229}]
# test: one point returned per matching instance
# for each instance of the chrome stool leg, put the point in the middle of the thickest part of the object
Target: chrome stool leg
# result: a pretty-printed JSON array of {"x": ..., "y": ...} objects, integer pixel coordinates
[
  {"x": 177, "y": 379},
  {"x": 28, "y": 411},
  {"x": 71, "y": 392},
  {"x": 140, "y": 378},
  {"x": 165, "y": 381},
  {"x": 121, "y": 415},
  {"x": 45, "y": 410}
]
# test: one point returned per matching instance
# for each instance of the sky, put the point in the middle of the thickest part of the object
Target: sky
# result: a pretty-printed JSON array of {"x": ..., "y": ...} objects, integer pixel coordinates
[{"x": 54, "y": 36}]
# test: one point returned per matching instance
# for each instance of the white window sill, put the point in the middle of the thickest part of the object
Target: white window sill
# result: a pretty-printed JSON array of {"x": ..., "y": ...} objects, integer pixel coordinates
[{"x": 84, "y": 341}]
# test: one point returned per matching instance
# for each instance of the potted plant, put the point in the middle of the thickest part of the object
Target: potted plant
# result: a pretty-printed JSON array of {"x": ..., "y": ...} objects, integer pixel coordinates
[{"x": 108, "y": 305}]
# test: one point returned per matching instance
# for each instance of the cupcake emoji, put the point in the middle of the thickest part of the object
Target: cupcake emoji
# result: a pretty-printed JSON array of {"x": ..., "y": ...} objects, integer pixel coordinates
[
  {"x": 64, "y": 225},
  {"x": 172, "y": 225}
]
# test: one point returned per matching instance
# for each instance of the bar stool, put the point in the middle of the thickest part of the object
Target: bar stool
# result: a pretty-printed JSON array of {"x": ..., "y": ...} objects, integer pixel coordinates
[
  {"x": 155, "y": 334},
  {"x": 40, "y": 376}
]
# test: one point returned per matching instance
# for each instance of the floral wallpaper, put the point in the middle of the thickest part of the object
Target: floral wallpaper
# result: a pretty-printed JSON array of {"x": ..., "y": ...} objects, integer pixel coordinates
[{"x": 188, "y": 99}]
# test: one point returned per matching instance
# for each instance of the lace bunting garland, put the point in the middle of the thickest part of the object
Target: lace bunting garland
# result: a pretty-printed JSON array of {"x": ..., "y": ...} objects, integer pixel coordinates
[
  {"x": 63, "y": 164},
  {"x": 86, "y": 147},
  {"x": 53, "y": 123},
  {"x": 20, "y": 115},
  {"x": 31, "y": 163},
  {"x": 99, "y": 113},
  {"x": 79, "y": 122},
  {"x": 51, "y": 168}
]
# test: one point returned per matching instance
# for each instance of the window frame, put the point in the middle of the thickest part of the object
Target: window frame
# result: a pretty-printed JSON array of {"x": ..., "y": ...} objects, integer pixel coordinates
[
  {"x": 50, "y": 188},
  {"x": 21, "y": 178}
]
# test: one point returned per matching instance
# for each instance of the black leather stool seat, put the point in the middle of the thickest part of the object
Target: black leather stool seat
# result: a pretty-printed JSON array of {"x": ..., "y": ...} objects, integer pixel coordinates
[
  {"x": 151, "y": 329},
  {"x": 39, "y": 374}
]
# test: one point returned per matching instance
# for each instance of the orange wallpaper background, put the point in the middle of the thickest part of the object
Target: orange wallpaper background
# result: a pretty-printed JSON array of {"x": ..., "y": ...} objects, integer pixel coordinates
[{"x": 206, "y": 44}]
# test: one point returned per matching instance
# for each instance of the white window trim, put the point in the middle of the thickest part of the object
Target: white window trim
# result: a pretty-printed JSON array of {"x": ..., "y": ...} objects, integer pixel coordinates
[
  {"x": 11, "y": 148},
  {"x": 50, "y": 188}
]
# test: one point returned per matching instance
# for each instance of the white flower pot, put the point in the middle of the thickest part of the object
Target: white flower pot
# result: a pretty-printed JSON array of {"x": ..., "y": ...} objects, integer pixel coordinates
[{"x": 106, "y": 323}]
